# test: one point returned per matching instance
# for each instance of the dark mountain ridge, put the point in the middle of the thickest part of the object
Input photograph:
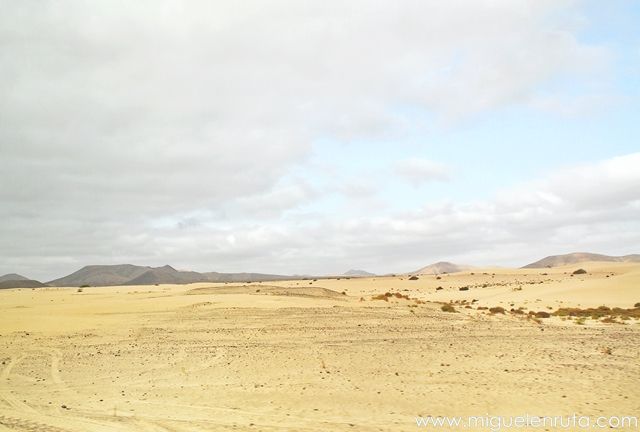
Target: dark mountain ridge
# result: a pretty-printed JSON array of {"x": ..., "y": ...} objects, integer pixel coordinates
[{"x": 128, "y": 274}]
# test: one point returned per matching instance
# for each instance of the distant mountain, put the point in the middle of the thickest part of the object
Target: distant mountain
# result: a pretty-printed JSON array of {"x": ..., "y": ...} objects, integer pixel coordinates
[
  {"x": 354, "y": 272},
  {"x": 12, "y": 277},
  {"x": 578, "y": 257},
  {"x": 166, "y": 275},
  {"x": 21, "y": 283},
  {"x": 127, "y": 274},
  {"x": 441, "y": 267},
  {"x": 101, "y": 275}
]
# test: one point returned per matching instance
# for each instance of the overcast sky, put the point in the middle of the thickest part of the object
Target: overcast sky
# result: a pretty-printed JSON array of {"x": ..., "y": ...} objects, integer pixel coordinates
[{"x": 317, "y": 136}]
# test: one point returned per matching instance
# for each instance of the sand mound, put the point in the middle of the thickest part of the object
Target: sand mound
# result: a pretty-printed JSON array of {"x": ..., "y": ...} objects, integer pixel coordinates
[{"x": 316, "y": 292}]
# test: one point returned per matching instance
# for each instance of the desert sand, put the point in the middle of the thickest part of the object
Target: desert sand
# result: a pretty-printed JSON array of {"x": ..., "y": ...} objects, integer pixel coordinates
[{"x": 317, "y": 355}]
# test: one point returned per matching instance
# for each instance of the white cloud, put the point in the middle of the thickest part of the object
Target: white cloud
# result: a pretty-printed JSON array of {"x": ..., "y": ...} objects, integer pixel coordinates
[
  {"x": 119, "y": 120},
  {"x": 420, "y": 171}
]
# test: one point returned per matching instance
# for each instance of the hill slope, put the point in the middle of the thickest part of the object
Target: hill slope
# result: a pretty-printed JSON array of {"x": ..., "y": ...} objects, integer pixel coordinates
[
  {"x": 166, "y": 275},
  {"x": 21, "y": 283},
  {"x": 441, "y": 267},
  {"x": 127, "y": 274},
  {"x": 354, "y": 272},
  {"x": 12, "y": 277},
  {"x": 101, "y": 275},
  {"x": 578, "y": 257}
]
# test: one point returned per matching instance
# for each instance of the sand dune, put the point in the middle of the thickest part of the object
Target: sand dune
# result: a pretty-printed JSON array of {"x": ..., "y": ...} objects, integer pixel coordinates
[{"x": 302, "y": 356}]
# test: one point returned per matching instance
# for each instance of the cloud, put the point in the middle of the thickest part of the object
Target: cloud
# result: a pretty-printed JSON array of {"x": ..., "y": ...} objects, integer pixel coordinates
[
  {"x": 158, "y": 130},
  {"x": 420, "y": 171}
]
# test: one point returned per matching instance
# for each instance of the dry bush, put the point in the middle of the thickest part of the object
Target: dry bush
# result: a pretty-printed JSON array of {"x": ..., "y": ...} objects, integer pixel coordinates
[
  {"x": 599, "y": 312},
  {"x": 386, "y": 296},
  {"x": 448, "y": 308},
  {"x": 497, "y": 310},
  {"x": 413, "y": 278},
  {"x": 542, "y": 314},
  {"x": 579, "y": 271}
]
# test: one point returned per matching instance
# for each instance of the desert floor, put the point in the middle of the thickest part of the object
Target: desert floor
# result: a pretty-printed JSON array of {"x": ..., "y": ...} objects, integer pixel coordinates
[{"x": 303, "y": 356}]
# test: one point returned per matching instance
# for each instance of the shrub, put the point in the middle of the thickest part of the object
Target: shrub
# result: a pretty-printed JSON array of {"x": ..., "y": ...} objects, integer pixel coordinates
[
  {"x": 497, "y": 309},
  {"x": 388, "y": 295},
  {"x": 448, "y": 308},
  {"x": 79, "y": 290},
  {"x": 542, "y": 314},
  {"x": 413, "y": 278},
  {"x": 637, "y": 305},
  {"x": 380, "y": 297},
  {"x": 580, "y": 271},
  {"x": 463, "y": 289},
  {"x": 599, "y": 312},
  {"x": 439, "y": 288},
  {"x": 85, "y": 286}
]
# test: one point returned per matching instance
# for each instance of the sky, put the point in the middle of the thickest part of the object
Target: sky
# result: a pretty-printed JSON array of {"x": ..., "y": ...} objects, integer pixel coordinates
[{"x": 315, "y": 137}]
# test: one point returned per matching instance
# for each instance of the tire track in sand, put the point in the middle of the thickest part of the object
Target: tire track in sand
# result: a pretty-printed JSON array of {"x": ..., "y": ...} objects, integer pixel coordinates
[
  {"x": 5, "y": 390},
  {"x": 27, "y": 425}
]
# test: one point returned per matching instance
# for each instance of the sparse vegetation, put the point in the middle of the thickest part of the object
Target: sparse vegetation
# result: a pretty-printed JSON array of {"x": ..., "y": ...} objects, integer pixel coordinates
[
  {"x": 386, "y": 296},
  {"x": 580, "y": 271},
  {"x": 465, "y": 288},
  {"x": 412, "y": 278},
  {"x": 448, "y": 308},
  {"x": 599, "y": 312},
  {"x": 497, "y": 310}
]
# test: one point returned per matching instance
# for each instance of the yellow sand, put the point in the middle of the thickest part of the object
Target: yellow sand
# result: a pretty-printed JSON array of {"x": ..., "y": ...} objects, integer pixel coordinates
[{"x": 302, "y": 356}]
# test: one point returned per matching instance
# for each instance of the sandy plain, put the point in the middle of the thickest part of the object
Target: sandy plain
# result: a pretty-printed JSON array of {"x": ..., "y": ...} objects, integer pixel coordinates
[{"x": 317, "y": 355}]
